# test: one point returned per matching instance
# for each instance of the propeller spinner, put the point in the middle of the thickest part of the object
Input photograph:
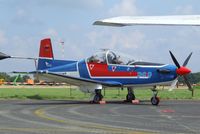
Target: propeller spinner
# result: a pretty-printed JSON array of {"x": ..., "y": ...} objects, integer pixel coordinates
[{"x": 183, "y": 70}]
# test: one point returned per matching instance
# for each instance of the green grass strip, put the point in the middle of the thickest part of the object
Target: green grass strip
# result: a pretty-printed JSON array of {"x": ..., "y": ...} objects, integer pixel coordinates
[{"x": 76, "y": 94}]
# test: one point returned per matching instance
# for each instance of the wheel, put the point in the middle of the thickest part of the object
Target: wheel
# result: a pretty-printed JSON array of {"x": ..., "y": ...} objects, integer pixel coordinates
[
  {"x": 155, "y": 101},
  {"x": 130, "y": 97},
  {"x": 97, "y": 98}
]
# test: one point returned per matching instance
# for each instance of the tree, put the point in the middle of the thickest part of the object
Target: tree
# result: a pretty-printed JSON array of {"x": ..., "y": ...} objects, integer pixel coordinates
[
  {"x": 4, "y": 76},
  {"x": 8, "y": 78}
]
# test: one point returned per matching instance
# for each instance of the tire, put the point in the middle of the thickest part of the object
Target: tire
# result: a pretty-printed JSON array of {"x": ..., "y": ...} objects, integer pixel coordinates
[
  {"x": 130, "y": 97},
  {"x": 155, "y": 101},
  {"x": 97, "y": 98}
]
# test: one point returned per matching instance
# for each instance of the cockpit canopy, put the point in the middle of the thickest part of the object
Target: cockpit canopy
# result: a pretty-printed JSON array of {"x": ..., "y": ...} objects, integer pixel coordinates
[{"x": 110, "y": 57}]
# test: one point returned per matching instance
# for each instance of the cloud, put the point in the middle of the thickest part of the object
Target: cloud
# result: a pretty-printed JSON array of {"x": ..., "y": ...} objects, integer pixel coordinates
[
  {"x": 187, "y": 9},
  {"x": 3, "y": 38},
  {"x": 21, "y": 13},
  {"x": 115, "y": 39},
  {"x": 126, "y": 40},
  {"x": 51, "y": 32},
  {"x": 72, "y": 4},
  {"x": 23, "y": 16},
  {"x": 19, "y": 46},
  {"x": 23, "y": 46},
  {"x": 124, "y": 7}
]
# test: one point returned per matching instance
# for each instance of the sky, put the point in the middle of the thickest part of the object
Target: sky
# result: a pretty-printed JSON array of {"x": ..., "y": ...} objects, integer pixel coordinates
[{"x": 23, "y": 23}]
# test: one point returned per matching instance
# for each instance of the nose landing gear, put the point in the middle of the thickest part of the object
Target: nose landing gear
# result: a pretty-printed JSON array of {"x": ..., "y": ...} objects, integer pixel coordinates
[{"x": 155, "y": 100}]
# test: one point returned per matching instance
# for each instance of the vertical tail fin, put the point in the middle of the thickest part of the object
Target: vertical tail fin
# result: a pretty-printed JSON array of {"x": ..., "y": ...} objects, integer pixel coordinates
[
  {"x": 46, "y": 50},
  {"x": 46, "y": 57}
]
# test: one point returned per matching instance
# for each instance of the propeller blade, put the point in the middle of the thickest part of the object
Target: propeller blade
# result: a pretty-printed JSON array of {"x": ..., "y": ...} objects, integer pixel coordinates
[
  {"x": 187, "y": 83},
  {"x": 173, "y": 85},
  {"x": 174, "y": 60},
  {"x": 186, "y": 61}
]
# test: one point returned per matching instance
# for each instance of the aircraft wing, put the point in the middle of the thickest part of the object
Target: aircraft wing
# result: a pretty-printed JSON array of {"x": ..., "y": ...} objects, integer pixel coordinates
[
  {"x": 76, "y": 80},
  {"x": 181, "y": 20}
]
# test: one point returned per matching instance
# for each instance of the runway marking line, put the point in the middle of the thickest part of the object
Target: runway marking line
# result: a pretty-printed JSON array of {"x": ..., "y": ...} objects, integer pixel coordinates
[{"x": 42, "y": 114}]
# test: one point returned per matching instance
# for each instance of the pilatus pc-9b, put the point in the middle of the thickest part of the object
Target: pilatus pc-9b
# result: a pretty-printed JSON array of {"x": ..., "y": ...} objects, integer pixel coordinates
[{"x": 109, "y": 69}]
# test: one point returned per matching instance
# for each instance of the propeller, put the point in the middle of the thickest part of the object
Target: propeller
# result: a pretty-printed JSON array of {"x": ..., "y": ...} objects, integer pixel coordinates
[{"x": 181, "y": 71}]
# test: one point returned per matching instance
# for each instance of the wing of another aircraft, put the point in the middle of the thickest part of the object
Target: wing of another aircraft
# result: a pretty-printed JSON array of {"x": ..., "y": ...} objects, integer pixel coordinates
[
  {"x": 78, "y": 81},
  {"x": 182, "y": 20},
  {"x": 4, "y": 56}
]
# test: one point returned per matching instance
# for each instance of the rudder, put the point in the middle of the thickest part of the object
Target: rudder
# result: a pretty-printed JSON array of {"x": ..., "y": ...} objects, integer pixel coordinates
[{"x": 46, "y": 50}]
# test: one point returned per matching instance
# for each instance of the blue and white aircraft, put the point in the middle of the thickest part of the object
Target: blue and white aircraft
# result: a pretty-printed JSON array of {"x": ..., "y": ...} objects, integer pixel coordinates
[{"x": 107, "y": 69}]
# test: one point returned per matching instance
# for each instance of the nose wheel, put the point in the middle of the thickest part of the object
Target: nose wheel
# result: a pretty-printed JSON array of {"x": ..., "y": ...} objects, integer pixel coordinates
[{"x": 155, "y": 100}]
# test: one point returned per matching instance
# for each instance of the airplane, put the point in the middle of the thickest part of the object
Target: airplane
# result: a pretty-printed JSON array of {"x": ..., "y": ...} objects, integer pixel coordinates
[{"x": 108, "y": 69}]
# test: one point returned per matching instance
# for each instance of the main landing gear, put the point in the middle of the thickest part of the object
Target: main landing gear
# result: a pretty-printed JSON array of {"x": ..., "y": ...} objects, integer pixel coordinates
[
  {"x": 130, "y": 96},
  {"x": 98, "y": 96},
  {"x": 155, "y": 100}
]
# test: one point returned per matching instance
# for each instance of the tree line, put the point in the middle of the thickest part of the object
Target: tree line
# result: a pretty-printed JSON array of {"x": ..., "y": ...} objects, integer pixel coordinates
[{"x": 10, "y": 78}]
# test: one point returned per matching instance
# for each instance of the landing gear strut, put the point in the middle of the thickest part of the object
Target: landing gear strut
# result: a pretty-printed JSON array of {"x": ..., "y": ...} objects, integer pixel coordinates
[
  {"x": 130, "y": 96},
  {"x": 155, "y": 100},
  {"x": 98, "y": 96}
]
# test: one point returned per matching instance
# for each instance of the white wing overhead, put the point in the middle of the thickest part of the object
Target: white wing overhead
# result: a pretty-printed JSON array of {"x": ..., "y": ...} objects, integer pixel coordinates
[{"x": 182, "y": 20}]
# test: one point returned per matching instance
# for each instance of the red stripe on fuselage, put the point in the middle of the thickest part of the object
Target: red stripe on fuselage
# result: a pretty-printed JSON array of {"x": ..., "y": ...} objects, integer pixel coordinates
[{"x": 101, "y": 70}]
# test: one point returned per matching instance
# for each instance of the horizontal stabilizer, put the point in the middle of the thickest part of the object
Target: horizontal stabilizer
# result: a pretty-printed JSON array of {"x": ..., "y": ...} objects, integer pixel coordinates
[
  {"x": 5, "y": 56},
  {"x": 179, "y": 20}
]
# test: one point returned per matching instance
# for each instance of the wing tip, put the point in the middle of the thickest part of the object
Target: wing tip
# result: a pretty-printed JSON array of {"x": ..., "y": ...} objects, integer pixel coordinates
[{"x": 103, "y": 23}]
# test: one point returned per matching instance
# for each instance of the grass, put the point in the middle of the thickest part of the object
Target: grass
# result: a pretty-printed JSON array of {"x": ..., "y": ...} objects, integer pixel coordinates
[{"x": 75, "y": 94}]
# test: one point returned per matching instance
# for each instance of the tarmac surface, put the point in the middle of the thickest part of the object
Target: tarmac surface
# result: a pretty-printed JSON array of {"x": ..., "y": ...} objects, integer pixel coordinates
[{"x": 80, "y": 117}]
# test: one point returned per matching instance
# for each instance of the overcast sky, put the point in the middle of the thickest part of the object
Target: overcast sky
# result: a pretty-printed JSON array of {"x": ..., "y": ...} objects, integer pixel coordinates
[{"x": 23, "y": 23}]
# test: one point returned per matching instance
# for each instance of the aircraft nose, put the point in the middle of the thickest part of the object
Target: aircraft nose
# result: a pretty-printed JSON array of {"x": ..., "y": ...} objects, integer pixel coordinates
[{"x": 183, "y": 71}]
